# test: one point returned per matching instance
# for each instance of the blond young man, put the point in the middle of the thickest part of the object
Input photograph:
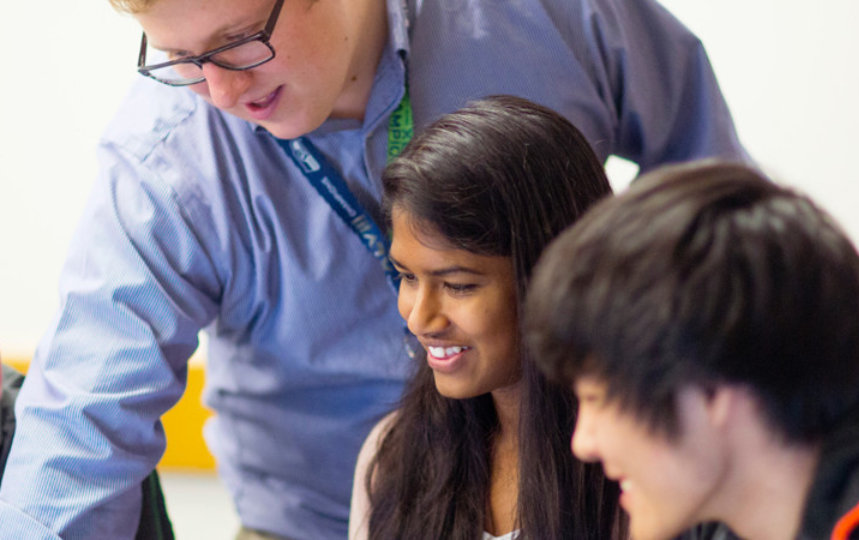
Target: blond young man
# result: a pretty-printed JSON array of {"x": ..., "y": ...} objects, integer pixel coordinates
[{"x": 217, "y": 208}]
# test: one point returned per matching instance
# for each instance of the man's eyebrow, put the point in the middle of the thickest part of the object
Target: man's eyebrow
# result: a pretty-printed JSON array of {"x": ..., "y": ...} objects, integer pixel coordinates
[
  {"x": 441, "y": 272},
  {"x": 256, "y": 24},
  {"x": 226, "y": 29}
]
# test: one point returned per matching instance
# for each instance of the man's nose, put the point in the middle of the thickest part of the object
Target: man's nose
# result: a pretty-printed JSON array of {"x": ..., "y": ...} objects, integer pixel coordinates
[{"x": 225, "y": 86}]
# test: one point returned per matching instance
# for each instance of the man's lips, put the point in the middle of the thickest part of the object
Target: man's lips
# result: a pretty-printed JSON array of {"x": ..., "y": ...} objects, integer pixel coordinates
[
  {"x": 265, "y": 101},
  {"x": 262, "y": 108}
]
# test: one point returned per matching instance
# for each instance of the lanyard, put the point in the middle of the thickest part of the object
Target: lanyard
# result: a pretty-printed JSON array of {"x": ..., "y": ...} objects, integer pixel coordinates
[
  {"x": 328, "y": 182},
  {"x": 401, "y": 127}
]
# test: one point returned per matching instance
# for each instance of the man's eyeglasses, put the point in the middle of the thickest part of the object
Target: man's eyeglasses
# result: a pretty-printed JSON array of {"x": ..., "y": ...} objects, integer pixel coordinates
[{"x": 240, "y": 55}]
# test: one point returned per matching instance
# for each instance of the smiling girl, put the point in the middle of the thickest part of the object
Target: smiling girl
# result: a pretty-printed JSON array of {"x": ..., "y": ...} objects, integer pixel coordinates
[{"x": 478, "y": 447}]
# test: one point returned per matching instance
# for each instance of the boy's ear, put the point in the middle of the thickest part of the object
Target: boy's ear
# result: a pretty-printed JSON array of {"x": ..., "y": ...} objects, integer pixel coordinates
[{"x": 722, "y": 404}]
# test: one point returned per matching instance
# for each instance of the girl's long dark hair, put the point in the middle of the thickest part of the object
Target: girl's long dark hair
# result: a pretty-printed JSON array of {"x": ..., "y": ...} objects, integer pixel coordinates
[{"x": 502, "y": 176}]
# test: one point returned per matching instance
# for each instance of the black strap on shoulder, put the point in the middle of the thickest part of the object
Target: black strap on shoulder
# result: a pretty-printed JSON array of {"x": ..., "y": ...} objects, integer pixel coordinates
[
  {"x": 12, "y": 380},
  {"x": 154, "y": 521}
]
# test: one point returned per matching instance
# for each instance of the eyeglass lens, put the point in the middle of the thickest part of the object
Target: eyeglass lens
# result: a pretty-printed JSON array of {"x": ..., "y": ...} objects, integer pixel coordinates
[{"x": 244, "y": 56}]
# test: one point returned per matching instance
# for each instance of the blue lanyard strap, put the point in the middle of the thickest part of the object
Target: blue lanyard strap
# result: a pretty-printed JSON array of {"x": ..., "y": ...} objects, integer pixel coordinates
[
  {"x": 328, "y": 182},
  {"x": 331, "y": 186}
]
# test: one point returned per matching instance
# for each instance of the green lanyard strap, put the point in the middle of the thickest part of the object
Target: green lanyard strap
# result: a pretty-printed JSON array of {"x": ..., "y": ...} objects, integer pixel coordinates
[{"x": 400, "y": 127}]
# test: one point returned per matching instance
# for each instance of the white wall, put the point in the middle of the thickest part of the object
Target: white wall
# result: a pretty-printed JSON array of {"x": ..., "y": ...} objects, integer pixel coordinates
[
  {"x": 65, "y": 67},
  {"x": 787, "y": 67}
]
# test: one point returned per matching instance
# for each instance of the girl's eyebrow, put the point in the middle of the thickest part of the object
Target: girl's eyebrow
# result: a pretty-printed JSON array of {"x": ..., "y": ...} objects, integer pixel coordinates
[
  {"x": 455, "y": 270},
  {"x": 441, "y": 272}
]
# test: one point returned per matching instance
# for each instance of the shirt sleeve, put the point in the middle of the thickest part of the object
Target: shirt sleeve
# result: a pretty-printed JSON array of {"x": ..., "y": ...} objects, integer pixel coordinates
[
  {"x": 660, "y": 84},
  {"x": 137, "y": 286}
]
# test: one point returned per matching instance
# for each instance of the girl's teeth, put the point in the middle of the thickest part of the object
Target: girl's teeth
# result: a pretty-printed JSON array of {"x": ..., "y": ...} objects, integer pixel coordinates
[
  {"x": 625, "y": 485},
  {"x": 444, "y": 352}
]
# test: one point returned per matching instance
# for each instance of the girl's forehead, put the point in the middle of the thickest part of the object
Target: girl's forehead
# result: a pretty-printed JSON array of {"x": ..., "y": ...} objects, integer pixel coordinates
[{"x": 404, "y": 222}]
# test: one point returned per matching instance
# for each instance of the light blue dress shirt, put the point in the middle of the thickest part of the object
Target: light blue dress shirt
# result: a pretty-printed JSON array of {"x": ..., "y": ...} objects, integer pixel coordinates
[{"x": 198, "y": 220}]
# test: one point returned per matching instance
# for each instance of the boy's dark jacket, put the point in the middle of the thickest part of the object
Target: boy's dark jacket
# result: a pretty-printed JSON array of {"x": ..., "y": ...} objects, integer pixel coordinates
[{"x": 832, "y": 508}]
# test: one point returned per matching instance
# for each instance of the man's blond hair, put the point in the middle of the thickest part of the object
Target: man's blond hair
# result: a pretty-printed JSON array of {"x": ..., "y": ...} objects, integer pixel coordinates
[{"x": 132, "y": 6}]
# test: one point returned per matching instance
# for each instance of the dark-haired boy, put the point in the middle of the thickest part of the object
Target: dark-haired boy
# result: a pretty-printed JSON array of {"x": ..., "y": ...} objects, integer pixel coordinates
[{"x": 708, "y": 321}]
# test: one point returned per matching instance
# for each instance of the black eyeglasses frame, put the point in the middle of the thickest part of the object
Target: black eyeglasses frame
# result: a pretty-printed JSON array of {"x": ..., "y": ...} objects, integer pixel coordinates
[{"x": 263, "y": 36}]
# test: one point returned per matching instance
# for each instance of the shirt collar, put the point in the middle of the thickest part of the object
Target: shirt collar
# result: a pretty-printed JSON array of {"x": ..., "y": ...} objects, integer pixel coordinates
[
  {"x": 399, "y": 25},
  {"x": 389, "y": 84}
]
